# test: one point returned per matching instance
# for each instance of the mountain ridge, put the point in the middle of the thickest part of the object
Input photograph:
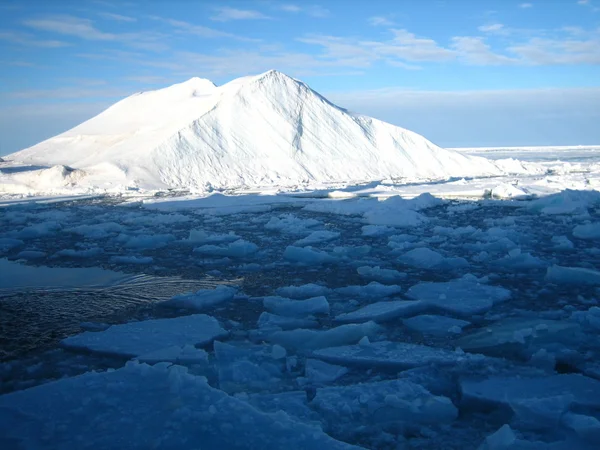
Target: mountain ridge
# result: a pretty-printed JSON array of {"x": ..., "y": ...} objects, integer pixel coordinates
[{"x": 263, "y": 130}]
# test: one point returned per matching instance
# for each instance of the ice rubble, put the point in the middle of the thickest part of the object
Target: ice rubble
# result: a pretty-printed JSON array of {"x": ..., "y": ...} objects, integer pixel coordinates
[
  {"x": 435, "y": 325},
  {"x": 236, "y": 249},
  {"x": 296, "y": 308},
  {"x": 381, "y": 275},
  {"x": 305, "y": 341},
  {"x": 383, "y": 402},
  {"x": 140, "y": 407},
  {"x": 390, "y": 355},
  {"x": 589, "y": 231},
  {"x": 304, "y": 291},
  {"x": 424, "y": 258},
  {"x": 572, "y": 275},
  {"x": 272, "y": 321},
  {"x": 319, "y": 372},
  {"x": 140, "y": 338},
  {"x": 383, "y": 311},
  {"x": 203, "y": 299},
  {"x": 182, "y": 136},
  {"x": 463, "y": 297},
  {"x": 307, "y": 256}
]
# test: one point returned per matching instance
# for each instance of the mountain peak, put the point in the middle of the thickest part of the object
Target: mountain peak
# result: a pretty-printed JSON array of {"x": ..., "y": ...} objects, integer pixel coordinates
[
  {"x": 263, "y": 130},
  {"x": 274, "y": 74}
]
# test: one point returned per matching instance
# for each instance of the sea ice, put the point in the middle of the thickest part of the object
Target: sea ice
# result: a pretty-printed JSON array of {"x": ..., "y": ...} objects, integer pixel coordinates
[
  {"x": 424, "y": 258},
  {"x": 463, "y": 297},
  {"x": 31, "y": 254},
  {"x": 140, "y": 407},
  {"x": 590, "y": 231},
  {"x": 306, "y": 340},
  {"x": 377, "y": 230},
  {"x": 382, "y": 402},
  {"x": 146, "y": 241},
  {"x": 317, "y": 237},
  {"x": 269, "y": 321},
  {"x": 307, "y": 256},
  {"x": 236, "y": 249},
  {"x": 290, "y": 224},
  {"x": 381, "y": 275},
  {"x": 254, "y": 367},
  {"x": 435, "y": 325},
  {"x": 186, "y": 355},
  {"x": 383, "y": 311},
  {"x": 371, "y": 290},
  {"x": 304, "y": 291},
  {"x": 138, "y": 338},
  {"x": 296, "y": 308},
  {"x": 572, "y": 275},
  {"x": 390, "y": 355},
  {"x": 319, "y": 372},
  {"x": 508, "y": 390},
  {"x": 131, "y": 259},
  {"x": 202, "y": 299},
  {"x": 525, "y": 336},
  {"x": 202, "y": 237}
]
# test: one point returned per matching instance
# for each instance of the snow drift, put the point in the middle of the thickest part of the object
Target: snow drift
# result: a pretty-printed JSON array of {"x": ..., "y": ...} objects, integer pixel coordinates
[{"x": 265, "y": 130}]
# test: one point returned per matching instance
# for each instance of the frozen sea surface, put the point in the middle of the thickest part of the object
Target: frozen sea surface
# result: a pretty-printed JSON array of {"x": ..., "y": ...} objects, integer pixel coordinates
[{"x": 299, "y": 313}]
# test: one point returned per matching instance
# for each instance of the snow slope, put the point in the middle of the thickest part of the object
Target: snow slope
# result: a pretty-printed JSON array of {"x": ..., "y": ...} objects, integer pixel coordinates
[{"x": 265, "y": 130}]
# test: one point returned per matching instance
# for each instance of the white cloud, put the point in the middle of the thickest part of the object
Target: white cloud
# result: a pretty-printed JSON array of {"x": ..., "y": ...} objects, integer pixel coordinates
[
  {"x": 311, "y": 10},
  {"x": 317, "y": 11},
  {"x": 526, "y": 5},
  {"x": 475, "y": 51},
  {"x": 226, "y": 14},
  {"x": 290, "y": 8},
  {"x": 200, "y": 30},
  {"x": 380, "y": 21},
  {"x": 84, "y": 29},
  {"x": 70, "y": 26},
  {"x": 29, "y": 40},
  {"x": 493, "y": 28},
  {"x": 539, "y": 51},
  {"x": 583, "y": 2},
  {"x": 117, "y": 17}
]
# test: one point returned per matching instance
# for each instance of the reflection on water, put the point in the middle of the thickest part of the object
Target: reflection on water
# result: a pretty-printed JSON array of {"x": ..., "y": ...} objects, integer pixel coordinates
[{"x": 41, "y": 305}]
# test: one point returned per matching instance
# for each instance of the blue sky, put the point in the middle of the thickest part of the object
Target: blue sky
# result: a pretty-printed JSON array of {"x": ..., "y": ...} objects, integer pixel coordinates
[{"x": 460, "y": 72}]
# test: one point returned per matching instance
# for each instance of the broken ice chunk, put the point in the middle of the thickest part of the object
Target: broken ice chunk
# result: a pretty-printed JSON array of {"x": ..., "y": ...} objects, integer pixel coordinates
[
  {"x": 254, "y": 367},
  {"x": 296, "y": 308},
  {"x": 383, "y": 402},
  {"x": 503, "y": 439},
  {"x": 307, "y": 256},
  {"x": 381, "y": 275},
  {"x": 186, "y": 355},
  {"x": 317, "y": 371},
  {"x": 522, "y": 336},
  {"x": 383, "y": 311},
  {"x": 306, "y": 340},
  {"x": 583, "y": 391},
  {"x": 390, "y": 355},
  {"x": 572, "y": 275},
  {"x": 462, "y": 297},
  {"x": 140, "y": 338},
  {"x": 435, "y": 325},
  {"x": 268, "y": 320}
]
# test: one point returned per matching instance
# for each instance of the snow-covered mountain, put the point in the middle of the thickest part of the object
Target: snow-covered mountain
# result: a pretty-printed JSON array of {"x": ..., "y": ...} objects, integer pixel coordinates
[{"x": 265, "y": 130}]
